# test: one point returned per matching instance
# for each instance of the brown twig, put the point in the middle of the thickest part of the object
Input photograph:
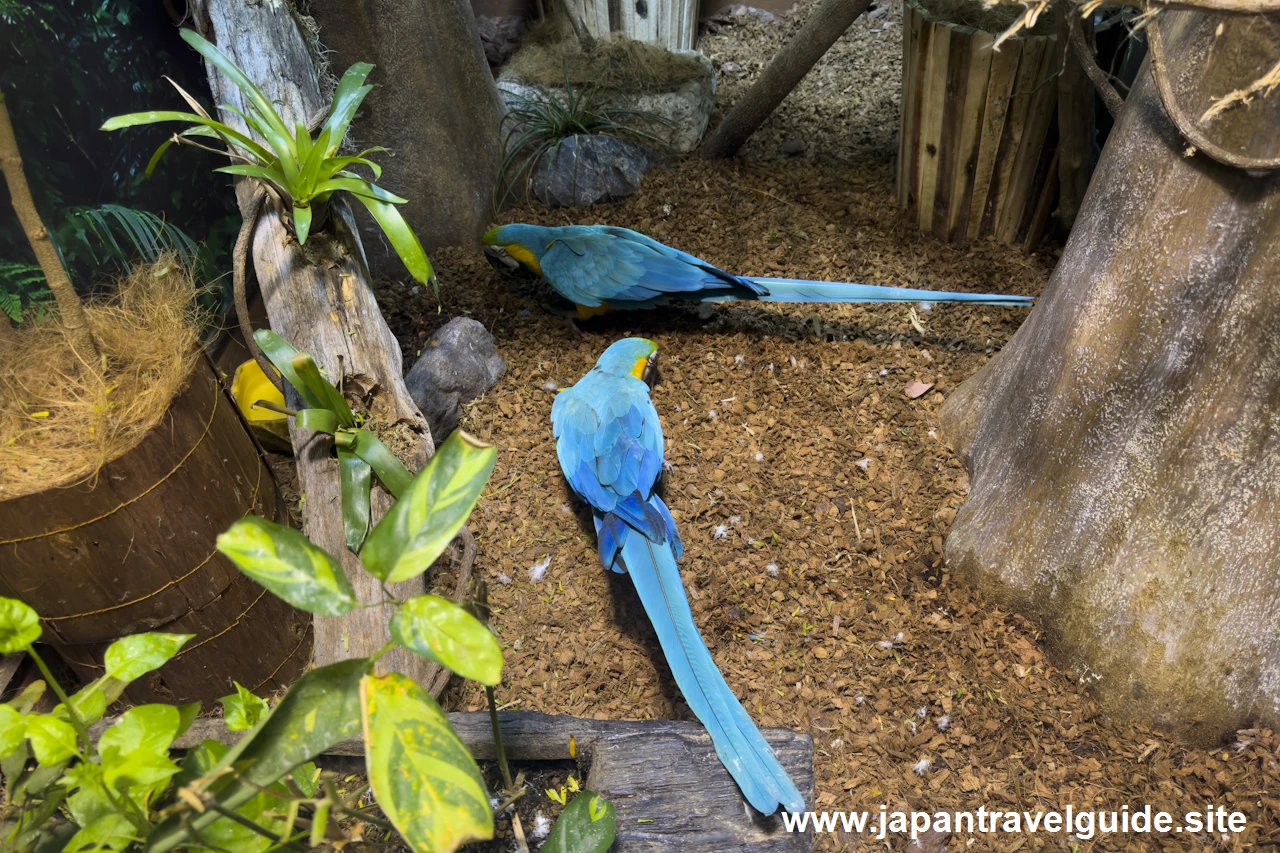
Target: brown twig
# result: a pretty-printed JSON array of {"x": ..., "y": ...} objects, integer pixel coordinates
[{"x": 1089, "y": 63}]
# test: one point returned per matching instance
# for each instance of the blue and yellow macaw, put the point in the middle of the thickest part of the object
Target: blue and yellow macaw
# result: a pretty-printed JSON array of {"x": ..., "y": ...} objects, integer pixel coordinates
[
  {"x": 609, "y": 442},
  {"x": 600, "y": 268}
]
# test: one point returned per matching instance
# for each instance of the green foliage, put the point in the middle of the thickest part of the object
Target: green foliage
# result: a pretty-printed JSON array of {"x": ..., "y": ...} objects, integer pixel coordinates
[
  {"x": 414, "y": 757},
  {"x": 64, "y": 792},
  {"x": 534, "y": 126},
  {"x": 113, "y": 236},
  {"x": 304, "y": 172},
  {"x": 23, "y": 291},
  {"x": 588, "y": 825}
]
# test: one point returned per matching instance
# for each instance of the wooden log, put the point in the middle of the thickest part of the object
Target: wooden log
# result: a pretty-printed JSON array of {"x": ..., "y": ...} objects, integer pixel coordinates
[
  {"x": 672, "y": 24},
  {"x": 320, "y": 301},
  {"x": 133, "y": 550},
  {"x": 974, "y": 128},
  {"x": 664, "y": 777}
]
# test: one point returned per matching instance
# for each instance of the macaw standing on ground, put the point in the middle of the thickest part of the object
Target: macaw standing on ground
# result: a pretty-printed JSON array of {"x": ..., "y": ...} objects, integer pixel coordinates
[
  {"x": 600, "y": 268},
  {"x": 609, "y": 442}
]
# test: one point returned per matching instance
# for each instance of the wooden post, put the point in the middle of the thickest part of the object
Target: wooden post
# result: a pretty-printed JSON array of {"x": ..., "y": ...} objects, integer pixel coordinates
[
  {"x": 972, "y": 150},
  {"x": 323, "y": 307},
  {"x": 672, "y": 24},
  {"x": 1075, "y": 118}
]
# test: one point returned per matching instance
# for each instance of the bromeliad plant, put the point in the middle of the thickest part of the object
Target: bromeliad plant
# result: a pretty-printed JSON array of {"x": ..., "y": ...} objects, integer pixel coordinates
[
  {"x": 303, "y": 172},
  {"x": 360, "y": 453},
  {"x": 67, "y": 790}
]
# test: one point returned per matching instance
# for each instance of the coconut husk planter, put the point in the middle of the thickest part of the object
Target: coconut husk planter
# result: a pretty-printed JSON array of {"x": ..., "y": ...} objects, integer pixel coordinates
[
  {"x": 663, "y": 776},
  {"x": 974, "y": 148},
  {"x": 127, "y": 545}
]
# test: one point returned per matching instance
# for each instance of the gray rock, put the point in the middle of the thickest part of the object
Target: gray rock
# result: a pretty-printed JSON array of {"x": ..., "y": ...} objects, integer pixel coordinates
[
  {"x": 793, "y": 147},
  {"x": 458, "y": 364},
  {"x": 687, "y": 108},
  {"x": 583, "y": 170},
  {"x": 500, "y": 37}
]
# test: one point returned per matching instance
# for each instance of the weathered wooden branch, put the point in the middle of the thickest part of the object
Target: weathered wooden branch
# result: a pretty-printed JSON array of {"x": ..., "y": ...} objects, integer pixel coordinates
[
  {"x": 1089, "y": 62},
  {"x": 784, "y": 73},
  {"x": 319, "y": 299},
  {"x": 75, "y": 326}
]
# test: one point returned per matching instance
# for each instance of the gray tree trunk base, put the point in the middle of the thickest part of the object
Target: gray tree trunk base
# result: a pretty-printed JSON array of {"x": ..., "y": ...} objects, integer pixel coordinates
[
  {"x": 1122, "y": 448},
  {"x": 662, "y": 772},
  {"x": 320, "y": 302}
]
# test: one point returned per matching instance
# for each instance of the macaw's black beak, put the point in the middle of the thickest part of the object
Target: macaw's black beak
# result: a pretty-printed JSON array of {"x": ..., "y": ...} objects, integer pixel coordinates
[
  {"x": 502, "y": 262},
  {"x": 650, "y": 376}
]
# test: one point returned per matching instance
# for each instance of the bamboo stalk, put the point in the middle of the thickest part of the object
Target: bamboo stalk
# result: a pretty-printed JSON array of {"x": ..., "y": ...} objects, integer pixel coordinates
[{"x": 75, "y": 326}]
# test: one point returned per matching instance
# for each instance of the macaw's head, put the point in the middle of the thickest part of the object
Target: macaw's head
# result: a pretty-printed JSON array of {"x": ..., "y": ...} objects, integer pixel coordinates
[
  {"x": 524, "y": 243},
  {"x": 629, "y": 357}
]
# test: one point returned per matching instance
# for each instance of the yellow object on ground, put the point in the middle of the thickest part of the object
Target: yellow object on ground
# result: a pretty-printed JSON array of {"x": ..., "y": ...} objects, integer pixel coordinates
[{"x": 250, "y": 385}]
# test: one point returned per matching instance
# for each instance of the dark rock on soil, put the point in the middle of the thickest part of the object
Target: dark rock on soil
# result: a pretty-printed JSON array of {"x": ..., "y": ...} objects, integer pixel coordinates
[
  {"x": 457, "y": 365},
  {"x": 583, "y": 170}
]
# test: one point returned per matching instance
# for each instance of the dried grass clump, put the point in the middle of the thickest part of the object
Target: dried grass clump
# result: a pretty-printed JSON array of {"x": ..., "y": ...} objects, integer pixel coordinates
[
  {"x": 551, "y": 51},
  {"x": 62, "y": 419}
]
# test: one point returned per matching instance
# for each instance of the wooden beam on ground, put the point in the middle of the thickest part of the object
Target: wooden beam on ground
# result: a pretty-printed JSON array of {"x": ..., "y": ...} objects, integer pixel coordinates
[{"x": 663, "y": 776}]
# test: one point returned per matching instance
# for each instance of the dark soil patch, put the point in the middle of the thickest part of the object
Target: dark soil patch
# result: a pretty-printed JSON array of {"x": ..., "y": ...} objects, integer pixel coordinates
[{"x": 813, "y": 497}]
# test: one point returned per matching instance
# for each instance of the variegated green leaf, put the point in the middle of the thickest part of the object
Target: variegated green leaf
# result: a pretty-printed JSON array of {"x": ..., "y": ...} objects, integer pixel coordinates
[
  {"x": 19, "y": 626},
  {"x": 242, "y": 710},
  {"x": 588, "y": 825},
  {"x": 424, "y": 779},
  {"x": 421, "y": 524},
  {"x": 289, "y": 565},
  {"x": 356, "y": 481},
  {"x": 437, "y": 629},
  {"x": 386, "y": 465},
  {"x": 132, "y": 657}
]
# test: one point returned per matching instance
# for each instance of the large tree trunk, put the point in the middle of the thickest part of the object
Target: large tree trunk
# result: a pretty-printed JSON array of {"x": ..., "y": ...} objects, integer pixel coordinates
[
  {"x": 321, "y": 302},
  {"x": 1123, "y": 449},
  {"x": 784, "y": 73},
  {"x": 436, "y": 107}
]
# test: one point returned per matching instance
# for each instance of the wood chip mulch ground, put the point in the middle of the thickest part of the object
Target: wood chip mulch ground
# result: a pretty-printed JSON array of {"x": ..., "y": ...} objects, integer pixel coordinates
[{"x": 813, "y": 494}]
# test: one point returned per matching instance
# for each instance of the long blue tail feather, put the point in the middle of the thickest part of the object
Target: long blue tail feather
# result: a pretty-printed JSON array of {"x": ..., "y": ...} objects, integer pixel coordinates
[
  {"x": 798, "y": 290},
  {"x": 739, "y": 744}
]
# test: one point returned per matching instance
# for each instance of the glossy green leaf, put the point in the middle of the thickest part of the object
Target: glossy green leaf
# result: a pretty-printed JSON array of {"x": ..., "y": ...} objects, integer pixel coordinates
[
  {"x": 90, "y": 705},
  {"x": 19, "y": 626},
  {"x": 402, "y": 238},
  {"x": 385, "y": 464},
  {"x": 27, "y": 699},
  {"x": 289, "y": 565},
  {"x": 135, "y": 751},
  {"x": 359, "y": 187},
  {"x": 437, "y": 629},
  {"x": 13, "y": 730},
  {"x": 225, "y": 833},
  {"x": 355, "y": 483},
  {"x": 424, "y": 779},
  {"x": 347, "y": 97},
  {"x": 109, "y": 832},
  {"x": 132, "y": 657},
  {"x": 242, "y": 710},
  {"x": 424, "y": 521},
  {"x": 329, "y": 396},
  {"x": 310, "y": 174},
  {"x": 588, "y": 825},
  {"x": 187, "y": 715},
  {"x": 301, "y": 222},
  {"x": 250, "y": 170},
  {"x": 218, "y": 128},
  {"x": 333, "y": 165},
  {"x": 224, "y": 64},
  {"x": 318, "y": 420},
  {"x": 53, "y": 740},
  {"x": 88, "y": 800},
  {"x": 320, "y": 710},
  {"x": 281, "y": 354}
]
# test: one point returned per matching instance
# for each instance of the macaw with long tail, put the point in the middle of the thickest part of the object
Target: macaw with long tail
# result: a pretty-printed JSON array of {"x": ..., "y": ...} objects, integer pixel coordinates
[
  {"x": 600, "y": 268},
  {"x": 609, "y": 442}
]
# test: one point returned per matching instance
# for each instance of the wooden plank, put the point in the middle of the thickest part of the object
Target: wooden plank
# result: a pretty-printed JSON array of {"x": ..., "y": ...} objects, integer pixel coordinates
[
  {"x": 907, "y": 112},
  {"x": 1041, "y": 104},
  {"x": 933, "y": 105},
  {"x": 8, "y": 666},
  {"x": 971, "y": 120},
  {"x": 1015, "y": 127},
  {"x": 662, "y": 772},
  {"x": 1004, "y": 66},
  {"x": 957, "y": 73}
]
